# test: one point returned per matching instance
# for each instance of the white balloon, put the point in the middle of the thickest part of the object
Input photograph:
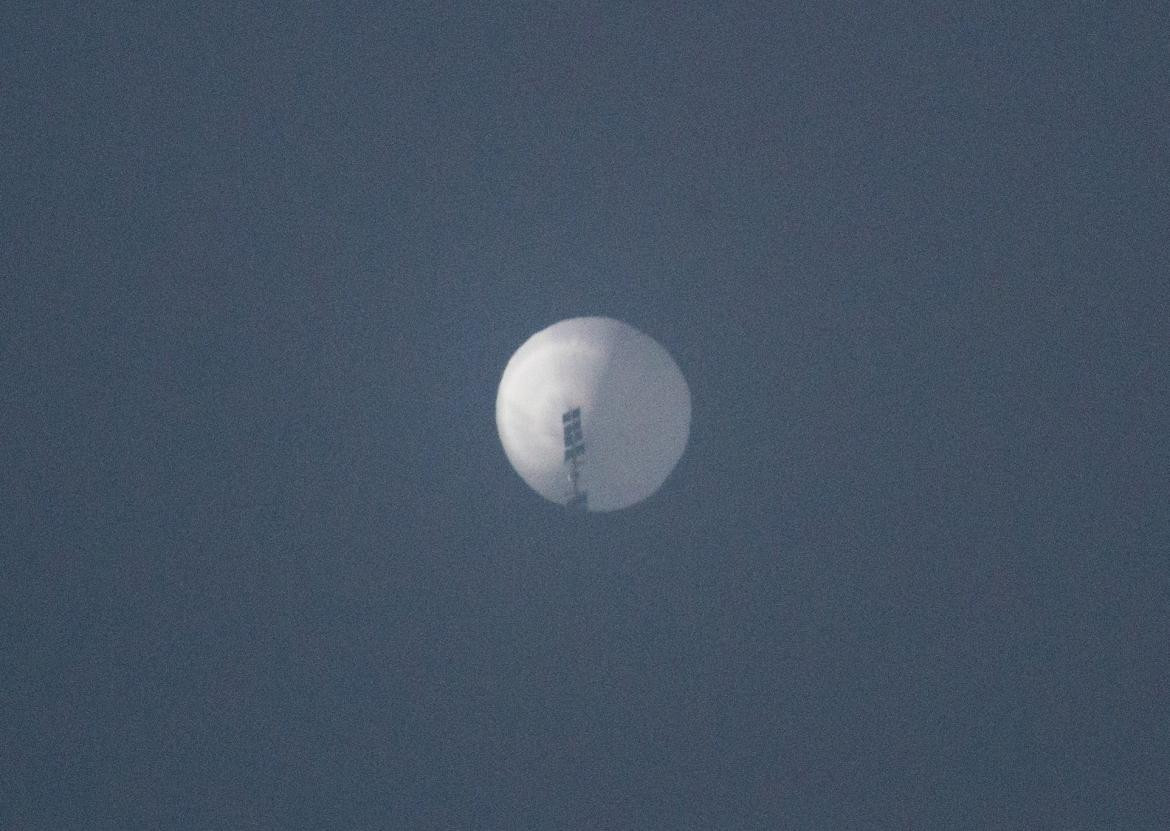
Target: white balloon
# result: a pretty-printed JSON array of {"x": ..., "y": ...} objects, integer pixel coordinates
[{"x": 635, "y": 412}]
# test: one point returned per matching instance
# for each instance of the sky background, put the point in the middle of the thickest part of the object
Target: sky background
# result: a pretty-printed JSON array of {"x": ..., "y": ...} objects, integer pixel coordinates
[{"x": 265, "y": 565}]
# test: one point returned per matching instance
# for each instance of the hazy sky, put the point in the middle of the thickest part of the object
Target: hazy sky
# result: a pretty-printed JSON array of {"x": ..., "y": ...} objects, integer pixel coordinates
[{"x": 265, "y": 565}]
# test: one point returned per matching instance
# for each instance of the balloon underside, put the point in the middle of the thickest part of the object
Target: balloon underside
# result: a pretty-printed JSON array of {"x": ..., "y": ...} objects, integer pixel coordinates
[{"x": 635, "y": 411}]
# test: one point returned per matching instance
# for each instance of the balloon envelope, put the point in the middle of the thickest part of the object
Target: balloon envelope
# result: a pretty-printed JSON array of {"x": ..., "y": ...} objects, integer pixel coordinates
[{"x": 635, "y": 412}]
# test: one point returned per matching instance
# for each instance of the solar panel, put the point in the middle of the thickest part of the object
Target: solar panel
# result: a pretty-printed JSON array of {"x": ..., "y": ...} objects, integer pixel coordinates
[
  {"x": 572, "y": 427},
  {"x": 574, "y": 453}
]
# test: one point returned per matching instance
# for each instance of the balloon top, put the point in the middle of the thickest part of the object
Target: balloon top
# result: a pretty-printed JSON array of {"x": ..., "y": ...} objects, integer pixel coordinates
[{"x": 631, "y": 413}]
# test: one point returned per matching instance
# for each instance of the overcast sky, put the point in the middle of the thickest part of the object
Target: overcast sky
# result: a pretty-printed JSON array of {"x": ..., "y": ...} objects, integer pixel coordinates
[{"x": 265, "y": 565}]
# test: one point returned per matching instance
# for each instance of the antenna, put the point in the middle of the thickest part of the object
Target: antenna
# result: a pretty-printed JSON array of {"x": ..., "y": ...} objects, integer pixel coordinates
[{"x": 574, "y": 456}]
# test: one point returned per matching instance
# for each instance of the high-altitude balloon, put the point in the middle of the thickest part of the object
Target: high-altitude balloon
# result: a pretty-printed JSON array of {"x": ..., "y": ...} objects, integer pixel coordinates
[{"x": 593, "y": 414}]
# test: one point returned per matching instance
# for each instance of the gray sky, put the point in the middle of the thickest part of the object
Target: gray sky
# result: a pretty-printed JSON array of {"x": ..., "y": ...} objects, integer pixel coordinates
[{"x": 265, "y": 564}]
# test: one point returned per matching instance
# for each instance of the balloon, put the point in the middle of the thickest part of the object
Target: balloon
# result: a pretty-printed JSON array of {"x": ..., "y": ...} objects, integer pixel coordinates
[{"x": 593, "y": 413}]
